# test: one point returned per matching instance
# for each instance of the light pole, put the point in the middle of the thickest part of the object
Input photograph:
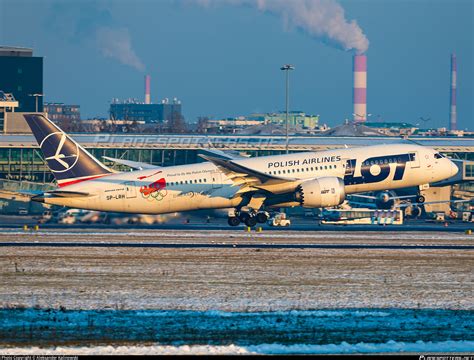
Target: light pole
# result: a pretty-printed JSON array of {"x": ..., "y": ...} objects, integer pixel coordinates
[
  {"x": 36, "y": 96},
  {"x": 287, "y": 68}
]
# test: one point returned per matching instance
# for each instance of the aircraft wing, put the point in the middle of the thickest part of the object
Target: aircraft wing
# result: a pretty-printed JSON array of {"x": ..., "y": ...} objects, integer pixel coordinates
[
  {"x": 367, "y": 205},
  {"x": 363, "y": 196},
  {"x": 18, "y": 195},
  {"x": 375, "y": 197},
  {"x": 250, "y": 179},
  {"x": 229, "y": 155},
  {"x": 429, "y": 202},
  {"x": 133, "y": 164}
]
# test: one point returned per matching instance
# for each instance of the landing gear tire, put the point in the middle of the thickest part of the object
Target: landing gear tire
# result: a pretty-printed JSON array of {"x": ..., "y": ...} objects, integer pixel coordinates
[
  {"x": 251, "y": 221},
  {"x": 233, "y": 221},
  {"x": 261, "y": 218},
  {"x": 421, "y": 199},
  {"x": 243, "y": 216}
]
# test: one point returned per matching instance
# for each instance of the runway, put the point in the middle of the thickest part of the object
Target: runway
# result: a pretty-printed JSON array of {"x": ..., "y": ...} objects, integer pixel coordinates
[
  {"x": 234, "y": 270},
  {"x": 235, "y": 246}
]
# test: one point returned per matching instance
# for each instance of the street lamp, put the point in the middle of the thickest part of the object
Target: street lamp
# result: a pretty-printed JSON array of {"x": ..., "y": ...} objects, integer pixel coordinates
[
  {"x": 286, "y": 68},
  {"x": 36, "y": 96}
]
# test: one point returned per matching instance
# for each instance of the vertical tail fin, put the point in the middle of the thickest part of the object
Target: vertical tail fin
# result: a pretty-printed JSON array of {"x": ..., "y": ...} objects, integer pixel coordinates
[{"x": 68, "y": 161}]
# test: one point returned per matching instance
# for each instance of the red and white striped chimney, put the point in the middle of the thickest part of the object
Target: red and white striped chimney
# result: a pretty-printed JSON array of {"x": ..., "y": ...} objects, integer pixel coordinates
[
  {"x": 452, "y": 109},
  {"x": 360, "y": 88},
  {"x": 147, "y": 90}
]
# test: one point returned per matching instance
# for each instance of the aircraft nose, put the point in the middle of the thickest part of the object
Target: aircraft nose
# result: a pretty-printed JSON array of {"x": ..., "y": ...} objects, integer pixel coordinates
[{"x": 454, "y": 168}]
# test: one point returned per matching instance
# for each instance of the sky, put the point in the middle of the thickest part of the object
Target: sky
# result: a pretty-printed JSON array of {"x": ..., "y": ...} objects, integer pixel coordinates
[{"x": 222, "y": 58}]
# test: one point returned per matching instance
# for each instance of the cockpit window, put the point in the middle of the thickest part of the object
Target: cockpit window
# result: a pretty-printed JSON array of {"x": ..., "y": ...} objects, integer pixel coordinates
[{"x": 438, "y": 156}]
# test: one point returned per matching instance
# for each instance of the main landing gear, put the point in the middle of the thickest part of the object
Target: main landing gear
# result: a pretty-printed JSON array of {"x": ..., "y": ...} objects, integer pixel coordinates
[{"x": 249, "y": 218}]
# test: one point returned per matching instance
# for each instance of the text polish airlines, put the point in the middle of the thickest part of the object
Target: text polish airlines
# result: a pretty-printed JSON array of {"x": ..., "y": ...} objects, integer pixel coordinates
[{"x": 308, "y": 179}]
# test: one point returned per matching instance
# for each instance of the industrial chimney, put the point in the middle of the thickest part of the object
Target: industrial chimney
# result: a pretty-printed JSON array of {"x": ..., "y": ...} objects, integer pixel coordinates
[
  {"x": 147, "y": 90},
  {"x": 360, "y": 88},
  {"x": 452, "y": 109}
]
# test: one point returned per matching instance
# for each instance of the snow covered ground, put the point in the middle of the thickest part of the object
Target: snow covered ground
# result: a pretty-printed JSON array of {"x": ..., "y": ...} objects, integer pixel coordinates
[
  {"x": 311, "y": 331},
  {"x": 233, "y": 300},
  {"x": 268, "y": 349},
  {"x": 236, "y": 279}
]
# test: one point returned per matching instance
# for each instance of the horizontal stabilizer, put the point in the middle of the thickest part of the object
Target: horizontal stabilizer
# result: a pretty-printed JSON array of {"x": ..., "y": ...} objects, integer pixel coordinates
[
  {"x": 60, "y": 193},
  {"x": 17, "y": 195}
]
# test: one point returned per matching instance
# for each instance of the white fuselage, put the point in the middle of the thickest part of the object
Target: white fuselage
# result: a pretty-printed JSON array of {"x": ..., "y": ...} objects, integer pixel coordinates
[{"x": 205, "y": 186}]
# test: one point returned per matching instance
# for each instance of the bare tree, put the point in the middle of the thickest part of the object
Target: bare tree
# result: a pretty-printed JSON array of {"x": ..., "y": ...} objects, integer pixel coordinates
[{"x": 176, "y": 123}]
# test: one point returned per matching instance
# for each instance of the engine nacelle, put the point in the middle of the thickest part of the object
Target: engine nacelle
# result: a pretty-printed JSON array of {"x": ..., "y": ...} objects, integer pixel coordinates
[
  {"x": 385, "y": 200},
  {"x": 322, "y": 192}
]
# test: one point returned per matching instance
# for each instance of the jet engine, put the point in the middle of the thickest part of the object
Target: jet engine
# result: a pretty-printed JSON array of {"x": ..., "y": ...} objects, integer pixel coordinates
[
  {"x": 385, "y": 200},
  {"x": 322, "y": 192}
]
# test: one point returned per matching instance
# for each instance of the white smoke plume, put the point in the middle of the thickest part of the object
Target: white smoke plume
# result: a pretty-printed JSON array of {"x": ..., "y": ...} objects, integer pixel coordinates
[
  {"x": 322, "y": 19},
  {"x": 116, "y": 43}
]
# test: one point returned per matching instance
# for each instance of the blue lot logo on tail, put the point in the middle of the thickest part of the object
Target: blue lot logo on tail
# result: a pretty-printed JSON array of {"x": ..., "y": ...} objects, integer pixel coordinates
[
  {"x": 61, "y": 154},
  {"x": 68, "y": 161}
]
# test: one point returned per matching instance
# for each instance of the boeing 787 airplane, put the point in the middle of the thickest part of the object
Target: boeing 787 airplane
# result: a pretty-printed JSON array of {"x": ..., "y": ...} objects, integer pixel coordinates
[{"x": 248, "y": 185}]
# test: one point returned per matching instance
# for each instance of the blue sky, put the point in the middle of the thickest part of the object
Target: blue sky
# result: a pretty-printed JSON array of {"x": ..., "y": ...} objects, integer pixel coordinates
[{"x": 224, "y": 60}]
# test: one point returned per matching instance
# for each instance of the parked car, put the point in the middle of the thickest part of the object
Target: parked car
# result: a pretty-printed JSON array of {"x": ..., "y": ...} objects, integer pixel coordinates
[{"x": 279, "y": 219}]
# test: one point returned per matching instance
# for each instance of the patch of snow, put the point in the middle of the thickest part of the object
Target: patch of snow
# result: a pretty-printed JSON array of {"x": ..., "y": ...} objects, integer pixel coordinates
[{"x": 342, "y": 348}]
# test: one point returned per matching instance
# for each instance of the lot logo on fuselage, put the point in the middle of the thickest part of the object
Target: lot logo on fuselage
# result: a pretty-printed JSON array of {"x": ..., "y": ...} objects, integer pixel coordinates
[
  {"x": 154, "y": 191},
  {"x": 377, "y": 169},
  {"x": 60, "y": 153}
]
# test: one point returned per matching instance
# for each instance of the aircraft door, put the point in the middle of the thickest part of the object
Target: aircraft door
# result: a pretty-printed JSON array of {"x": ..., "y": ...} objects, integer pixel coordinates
[
  {"x": 130, "y": 190},
  {"x": 414, "y": 160},
  {"x": 216, "y": 179}
]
